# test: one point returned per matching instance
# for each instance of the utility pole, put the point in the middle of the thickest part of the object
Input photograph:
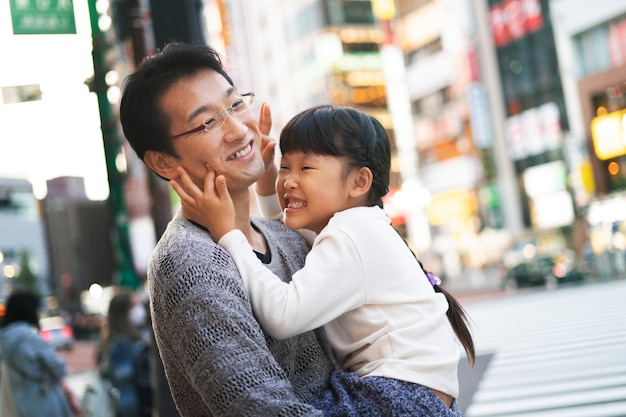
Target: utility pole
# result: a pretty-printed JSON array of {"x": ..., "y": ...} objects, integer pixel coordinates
[
  {"x": 126, "y": 275},
  {"x": 142, "y": 39},
  {"x": 399, "y": 105}
]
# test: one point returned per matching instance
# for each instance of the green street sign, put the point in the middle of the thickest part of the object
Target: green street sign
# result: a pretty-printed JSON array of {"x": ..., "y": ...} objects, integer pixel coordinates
[{"x": 43, "y": 17}]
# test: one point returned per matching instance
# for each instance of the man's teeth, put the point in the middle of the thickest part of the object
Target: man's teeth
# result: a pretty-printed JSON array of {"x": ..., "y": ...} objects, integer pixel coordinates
[{"x": 243, "y": 152}]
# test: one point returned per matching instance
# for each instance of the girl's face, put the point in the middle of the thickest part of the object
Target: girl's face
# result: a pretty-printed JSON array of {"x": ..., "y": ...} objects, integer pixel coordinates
[{"x": 311, "y": 189}]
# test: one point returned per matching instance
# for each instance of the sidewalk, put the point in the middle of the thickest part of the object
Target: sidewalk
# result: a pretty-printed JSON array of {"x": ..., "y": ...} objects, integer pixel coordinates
[{"x": 81, "y": 365}]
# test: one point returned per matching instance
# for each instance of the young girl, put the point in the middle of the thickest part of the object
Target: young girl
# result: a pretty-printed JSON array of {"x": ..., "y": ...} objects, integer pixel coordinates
[{"x": 384, "y": 316}]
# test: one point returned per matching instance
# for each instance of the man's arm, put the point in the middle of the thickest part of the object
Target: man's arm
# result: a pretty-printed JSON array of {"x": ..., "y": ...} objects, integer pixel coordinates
[{"x": 210, "y": 340}]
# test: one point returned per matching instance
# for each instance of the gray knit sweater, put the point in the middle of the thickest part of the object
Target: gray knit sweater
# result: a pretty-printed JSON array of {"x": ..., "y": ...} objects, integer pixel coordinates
[{"x": 217, "y": 359}]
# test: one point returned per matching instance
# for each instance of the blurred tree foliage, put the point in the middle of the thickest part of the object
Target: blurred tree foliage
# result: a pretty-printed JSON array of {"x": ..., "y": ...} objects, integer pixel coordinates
[{"x": 26, "y": 278}]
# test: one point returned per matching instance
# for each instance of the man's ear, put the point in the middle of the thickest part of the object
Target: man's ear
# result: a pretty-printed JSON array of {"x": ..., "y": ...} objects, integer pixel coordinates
[
  {"x": 362, "y": 182},
  {"x": 161, "y": 163}
]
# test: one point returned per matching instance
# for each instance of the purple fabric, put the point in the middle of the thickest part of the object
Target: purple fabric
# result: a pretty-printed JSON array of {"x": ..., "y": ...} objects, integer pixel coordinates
[{"x": 351, "y": 396}]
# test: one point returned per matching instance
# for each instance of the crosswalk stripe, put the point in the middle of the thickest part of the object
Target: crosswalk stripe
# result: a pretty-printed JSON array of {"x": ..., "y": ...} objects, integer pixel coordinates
[
  {"x": 555, "y": 354},
  {"x": 590, "y": 383},
  {"x": 617, "y": 409},
  {"x": 539, "y": 403},
  {"x": 533, "y": 378}
]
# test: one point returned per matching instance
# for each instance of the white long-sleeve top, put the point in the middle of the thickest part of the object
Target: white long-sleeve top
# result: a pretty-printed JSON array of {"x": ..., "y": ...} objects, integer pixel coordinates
[{"x": 360, "y": 280}]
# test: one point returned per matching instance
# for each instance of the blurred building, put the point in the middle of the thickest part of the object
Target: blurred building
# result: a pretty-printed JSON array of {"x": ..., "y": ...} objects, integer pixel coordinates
[
  {"x": 298, "y": 54},
  {"x": 516, "y": 132},
  {"x": 21, "y": 230},
  {"x": 79, "y": 241},
  {"x": 591, "y": 47}
]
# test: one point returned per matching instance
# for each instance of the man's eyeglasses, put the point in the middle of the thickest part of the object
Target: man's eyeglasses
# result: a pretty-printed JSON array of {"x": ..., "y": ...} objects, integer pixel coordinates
[{"x": 216, "y": 121}]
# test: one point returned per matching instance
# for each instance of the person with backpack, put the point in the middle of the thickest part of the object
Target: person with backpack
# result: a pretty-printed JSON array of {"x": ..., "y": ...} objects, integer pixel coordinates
[{"x": 124, "y": 355}]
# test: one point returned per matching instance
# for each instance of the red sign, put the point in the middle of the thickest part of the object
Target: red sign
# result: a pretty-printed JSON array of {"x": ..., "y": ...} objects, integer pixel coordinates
[{"x": 514, "y": 19}]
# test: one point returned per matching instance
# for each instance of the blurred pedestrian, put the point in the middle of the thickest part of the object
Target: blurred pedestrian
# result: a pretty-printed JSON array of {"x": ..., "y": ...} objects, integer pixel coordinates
[
  {"x": 32, "y": 383},
  {"x": 124, "y": 357}
]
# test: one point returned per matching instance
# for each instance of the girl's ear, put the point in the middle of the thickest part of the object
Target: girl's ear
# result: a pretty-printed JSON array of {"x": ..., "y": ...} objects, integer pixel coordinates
[
  {"x": 361, "y": 183},
  {"x": 161, "y": 163}
]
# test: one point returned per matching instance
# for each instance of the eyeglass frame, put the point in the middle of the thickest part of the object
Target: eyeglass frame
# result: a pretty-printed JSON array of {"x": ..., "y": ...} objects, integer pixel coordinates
[{"x": 228, "y": 110}]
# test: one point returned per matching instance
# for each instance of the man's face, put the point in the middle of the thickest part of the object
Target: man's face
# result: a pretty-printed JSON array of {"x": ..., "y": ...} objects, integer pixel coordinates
[{"x": 234, "y": 150}]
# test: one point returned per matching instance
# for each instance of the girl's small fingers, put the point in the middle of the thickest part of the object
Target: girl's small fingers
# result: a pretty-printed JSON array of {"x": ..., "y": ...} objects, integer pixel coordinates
[
  {"x": 180, "y": 191},
  {"x": 186, "y": 183},
  {"x": 265, "y": 119},
  {"x": 221, "y": 187},
  {"x": 209, "y": 181}
]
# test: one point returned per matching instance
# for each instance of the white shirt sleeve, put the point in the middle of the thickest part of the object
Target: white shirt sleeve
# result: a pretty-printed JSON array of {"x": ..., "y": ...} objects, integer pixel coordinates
[
  {"x": 331, "y": 283},
  {"x": 269, "y": 206}
]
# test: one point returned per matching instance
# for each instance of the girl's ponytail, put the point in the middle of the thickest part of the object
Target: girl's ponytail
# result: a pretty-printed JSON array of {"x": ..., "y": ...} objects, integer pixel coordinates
[{"x": 456, "y": 316}]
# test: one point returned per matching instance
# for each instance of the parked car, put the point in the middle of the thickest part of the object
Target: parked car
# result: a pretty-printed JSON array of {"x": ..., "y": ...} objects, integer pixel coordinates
[
  {"x": 528, "y": 273},
  {"x": 55, "y": 331},
  {"x": 537, "y": 270},
  {"x": 564, "y": 269}
]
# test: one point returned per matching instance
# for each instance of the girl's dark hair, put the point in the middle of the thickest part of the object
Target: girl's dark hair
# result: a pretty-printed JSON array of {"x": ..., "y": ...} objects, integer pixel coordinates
[
  {"x": 362, "y": 142},
  {"x": 22, "y": 306},
  {"x": 359, "y": 139},
  {"x": 458, "y": 320}
]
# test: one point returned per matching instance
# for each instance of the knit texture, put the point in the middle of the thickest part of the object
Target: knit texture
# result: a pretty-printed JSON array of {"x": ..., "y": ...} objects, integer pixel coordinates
[{"x": 217, "y": 360}]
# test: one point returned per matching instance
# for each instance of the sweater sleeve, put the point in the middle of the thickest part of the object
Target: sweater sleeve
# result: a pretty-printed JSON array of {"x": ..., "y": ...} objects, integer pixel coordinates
[
  {"x": 216, "y": 358},
  {"x": 330, "y": 284}
]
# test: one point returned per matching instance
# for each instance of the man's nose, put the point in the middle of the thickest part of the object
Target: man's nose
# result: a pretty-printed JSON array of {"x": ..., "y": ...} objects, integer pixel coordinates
[{"x": 233, "y": 125}]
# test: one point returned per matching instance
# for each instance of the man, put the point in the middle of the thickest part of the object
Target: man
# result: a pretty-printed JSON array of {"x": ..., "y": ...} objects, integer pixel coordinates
[{"x": 180, "y": 109}]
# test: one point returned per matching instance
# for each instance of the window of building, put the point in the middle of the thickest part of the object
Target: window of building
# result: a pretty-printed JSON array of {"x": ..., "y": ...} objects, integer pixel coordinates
[
  {"x": 349, "y": 12},
  {"x": 602, "y": 47}
]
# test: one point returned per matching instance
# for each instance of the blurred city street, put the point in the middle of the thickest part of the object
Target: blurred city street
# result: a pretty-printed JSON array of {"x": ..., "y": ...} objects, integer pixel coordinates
[
  {"x": 507, "y": 127},
  {"x": 81, "y": 363},
  {"x": 553, "y": 353}
]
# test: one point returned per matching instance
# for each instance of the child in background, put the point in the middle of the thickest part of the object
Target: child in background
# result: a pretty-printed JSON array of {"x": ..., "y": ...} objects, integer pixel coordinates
[{"x": 384, "y": 316}]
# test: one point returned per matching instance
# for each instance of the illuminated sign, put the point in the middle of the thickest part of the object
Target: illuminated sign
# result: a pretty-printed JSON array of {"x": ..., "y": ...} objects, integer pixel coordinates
[
  {"x": 608, "y": 133},
  {"x": 550, "y": 202},
  {"x": 533, "y": 131},
  {"x": 384, "y": 9},
  {"x": 458, "y": 205},
  {"x": 514, "y": 19}
]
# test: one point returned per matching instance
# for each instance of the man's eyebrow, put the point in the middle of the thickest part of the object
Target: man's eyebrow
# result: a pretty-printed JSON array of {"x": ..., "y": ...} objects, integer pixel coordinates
[{"x": 203, "y": 108}]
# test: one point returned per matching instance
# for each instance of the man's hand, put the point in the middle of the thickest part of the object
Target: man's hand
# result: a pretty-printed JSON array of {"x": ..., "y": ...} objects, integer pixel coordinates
[
  {"x": 212, "y": 207},
  {"x": 266, "y": 185}
]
